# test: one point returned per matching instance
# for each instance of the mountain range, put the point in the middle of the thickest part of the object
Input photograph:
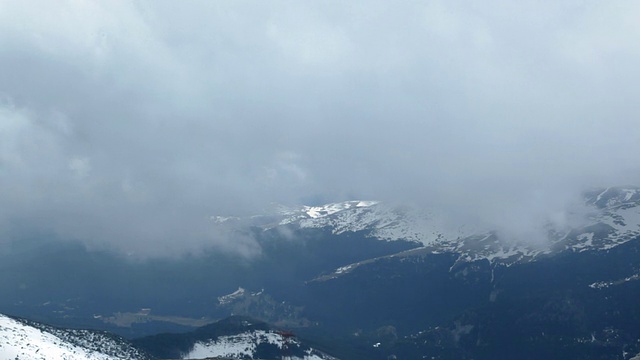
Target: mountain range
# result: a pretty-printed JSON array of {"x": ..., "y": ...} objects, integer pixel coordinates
[{"x": 360, "y": 280}]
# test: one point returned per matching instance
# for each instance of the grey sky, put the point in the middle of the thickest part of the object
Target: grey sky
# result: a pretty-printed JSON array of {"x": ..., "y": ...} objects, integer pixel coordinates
[{"x": 126, "y": 124}]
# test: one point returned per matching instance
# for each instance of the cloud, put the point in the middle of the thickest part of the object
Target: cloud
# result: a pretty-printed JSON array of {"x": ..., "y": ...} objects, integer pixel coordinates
[{"x": 126, "y": 125}]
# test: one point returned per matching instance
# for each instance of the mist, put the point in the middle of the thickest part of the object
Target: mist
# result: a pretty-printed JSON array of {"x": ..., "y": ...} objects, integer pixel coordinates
[{"x": 126, "y": 125}]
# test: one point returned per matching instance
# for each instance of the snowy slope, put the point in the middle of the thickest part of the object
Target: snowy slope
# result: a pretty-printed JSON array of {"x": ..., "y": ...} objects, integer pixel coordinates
[
  {"x": 235, "y": 337},
  {"x": 383, "y": 222},
  {"x": 28, "y": 340},
  {"x": 376, "y": 219},
  {"x": 613, "y": 218},
  {"x": 245, "y": 346}
]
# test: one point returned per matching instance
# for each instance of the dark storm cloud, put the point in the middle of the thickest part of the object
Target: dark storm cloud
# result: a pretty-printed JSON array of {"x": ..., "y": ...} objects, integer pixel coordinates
[{"x": 127, "y": 124}]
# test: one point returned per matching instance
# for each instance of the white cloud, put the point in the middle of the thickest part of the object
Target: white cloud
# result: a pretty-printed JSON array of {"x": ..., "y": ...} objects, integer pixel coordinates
[{"x": 125, "y": 124}]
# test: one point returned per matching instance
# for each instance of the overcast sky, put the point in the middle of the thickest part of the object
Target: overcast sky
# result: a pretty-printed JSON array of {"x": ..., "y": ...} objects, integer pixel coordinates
[{"x": 127, "y": 123}]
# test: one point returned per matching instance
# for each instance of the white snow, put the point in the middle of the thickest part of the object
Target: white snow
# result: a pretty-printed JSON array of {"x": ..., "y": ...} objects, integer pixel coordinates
[
  {"x": 329, "y": 209},
  {"x": 230, "y": 297},
  {"x": 242, "y": 345},
  {"x": 366, "y": 203},
  {"x": 18, "y": 340},
  {"x": 625, "y": 220},
  {"x": 606, "y": 284},
  {"x": 378, "y": 220},
  {"x": 637, "y": 357},
  {"x": 585, "y": 242},
  {"x": 311, "y": 356},
  {"x": 344, "y": 269},
  {"x": 504, "y": 254},
  {"x": 602, "y": 193},
  {"x": 629, "y": 195},
  {"x": 432, "y": 229},
  {"x": 223, "y": 219}
]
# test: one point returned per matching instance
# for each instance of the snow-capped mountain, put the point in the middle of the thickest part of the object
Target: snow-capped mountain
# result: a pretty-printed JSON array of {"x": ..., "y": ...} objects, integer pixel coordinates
[
  {"x": 237, "y": 337},
  {"x": 376, "y": 219},
  {"x": 21, "y": 339},
  {"x": 246, "y": 345},
  {"x": 611, "y": 217},
  {"x": 572, "y": 294}
]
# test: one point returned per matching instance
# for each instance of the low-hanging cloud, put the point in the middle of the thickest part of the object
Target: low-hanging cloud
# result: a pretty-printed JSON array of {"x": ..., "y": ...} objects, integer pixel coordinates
[{"x": 127, "y": 124}]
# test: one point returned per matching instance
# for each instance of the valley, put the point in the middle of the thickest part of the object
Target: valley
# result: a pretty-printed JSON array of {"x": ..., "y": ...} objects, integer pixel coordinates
[{"x": 325, "y": 275}]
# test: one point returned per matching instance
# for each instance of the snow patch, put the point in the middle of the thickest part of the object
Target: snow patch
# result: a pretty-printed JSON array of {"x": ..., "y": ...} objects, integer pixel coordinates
[
  {"x": 344, "y": 269},
  {"x": 243, "y": 346},
  {"x": 226, "y": 299},
  {"x": 606, "y": 284},
  {"x": 585, "y": 242}
]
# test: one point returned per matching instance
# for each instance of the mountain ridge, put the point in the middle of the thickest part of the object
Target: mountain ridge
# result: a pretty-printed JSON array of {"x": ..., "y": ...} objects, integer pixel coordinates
[{"x": 612, "y": 218}]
